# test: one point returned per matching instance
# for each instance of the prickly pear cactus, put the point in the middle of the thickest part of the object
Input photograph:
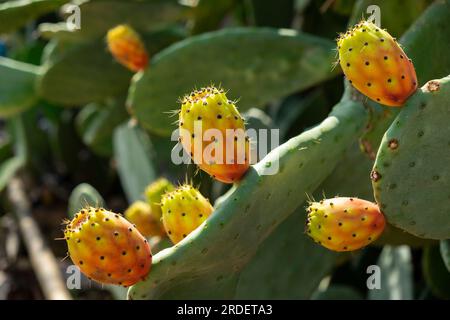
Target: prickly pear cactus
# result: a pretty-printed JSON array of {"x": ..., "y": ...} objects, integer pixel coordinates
[{"x": 410, "y": 176}]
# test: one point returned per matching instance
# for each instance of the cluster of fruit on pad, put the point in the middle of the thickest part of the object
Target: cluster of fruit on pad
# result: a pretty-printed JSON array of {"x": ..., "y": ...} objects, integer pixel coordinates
[{"x": 110, "y": 249}]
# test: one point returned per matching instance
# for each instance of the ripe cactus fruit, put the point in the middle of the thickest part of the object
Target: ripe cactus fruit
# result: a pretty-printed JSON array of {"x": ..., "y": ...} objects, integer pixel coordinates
[
  {"x": 183, "y": 211},
  {"x": 376, "y": 65},
  {"x": 344, "y": 224},
  {"x": 107, "y": 248},
  {"x": 154, "y": 192},
  {"x": 140, "y": 214},
  {"x": 127, "y": 47},
  {"x": 213, "y": 132}
]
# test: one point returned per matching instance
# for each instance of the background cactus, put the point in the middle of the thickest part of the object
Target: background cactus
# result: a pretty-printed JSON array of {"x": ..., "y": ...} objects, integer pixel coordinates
[{"x": 78, "y": 129}]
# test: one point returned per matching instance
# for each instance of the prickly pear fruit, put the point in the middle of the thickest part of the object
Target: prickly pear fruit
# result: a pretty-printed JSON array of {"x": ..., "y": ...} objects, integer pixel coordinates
[
  {"x": 140, "y": 214},
  {"x": 127, "y": 47},
  {"x": 376, "y": 65},
  {"x": 154, "y": 192},
  {"x": 107, "y": 248},
  {"x": 183, "y": 211},
  {"x": 213, "y": 132},
  {"x": 344, "y": 224}
]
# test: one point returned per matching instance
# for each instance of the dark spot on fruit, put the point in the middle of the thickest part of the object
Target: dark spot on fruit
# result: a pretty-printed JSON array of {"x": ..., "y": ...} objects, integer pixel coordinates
[
  {"x": 138, "y": 247},
  {"x": 183, "y": 214},
  {"x": 354, "y": 235},
  {"x": 367, "y": 63},
  {"x": 98, "y": 238},
  {"x": 102, "y": 258},
  {"x": 170, "y": 232},
  {"x": 389, "y": 80},
  {"x": 382, "y": 40},
  {"x": 184, "y": 235},
  {"x": 385, "y": 57},
  {"x": 80, "y": 262},
  {"x": 329, "y": 238},
  {"x": 369, "y": 84},
  {"x": 199, "y": 118},
  {"x": 403, "y": 77},
  {"x": 124, "y": 253},
  {"x": 219, "y": 116}
]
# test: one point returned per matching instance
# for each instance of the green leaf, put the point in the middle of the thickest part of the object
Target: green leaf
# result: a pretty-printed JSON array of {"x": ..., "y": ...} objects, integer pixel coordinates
[
  {"x": 134, "y": 154},
  {"x": 17, "y": 86},
  {"x": 257, "y": 65}
]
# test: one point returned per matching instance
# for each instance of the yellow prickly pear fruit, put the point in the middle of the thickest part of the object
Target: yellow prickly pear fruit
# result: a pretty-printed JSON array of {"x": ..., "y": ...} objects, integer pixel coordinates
[
  {"x": 154, "y": 192},
  {"x": 344, "y": 224},
  {"x": 213, "y": 132},
  {"x": 140, "y": 214},
  {"x": 107, "y": 248},
  {"x": 183, "y": 211},
  {"x": 376, "y": 65}
]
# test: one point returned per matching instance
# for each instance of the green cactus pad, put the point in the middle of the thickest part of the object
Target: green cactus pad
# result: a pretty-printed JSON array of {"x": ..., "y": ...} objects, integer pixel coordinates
[
  {"x": 15, "y": 14},
  {"x": 134, "y": 155},
  {"x": 396, "y": 274},
  {"x": 17, "y": 92},
  {"x": 411, "y": 177},
  {"x": 80, "y": 73},
  {"x": 279, "y": 265},
  {"x": 97, "y": 17},
  {"x": 435, "y": 273},
  {"x": 445, "y": 252},
  {"x": 82, "y": 196},
  {"x": 254, "y": 208},
  {"x": 96, "y": 124},
  {"x": 256, "y": 65}
]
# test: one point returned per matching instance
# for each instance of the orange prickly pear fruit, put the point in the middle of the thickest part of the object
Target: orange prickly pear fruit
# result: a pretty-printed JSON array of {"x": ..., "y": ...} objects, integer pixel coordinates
[
  {"x": 183, "y": 211},
  {"x": 107, "y": 248},
  {"x": 376, "y": 65},
  {"x": 344, "y": 224},
  {"x": 154, "y": 192},
  {"x": 213, "y": 132},
  {"x": 127, "y": 47},
  {"x": 140, "y": 214}
]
